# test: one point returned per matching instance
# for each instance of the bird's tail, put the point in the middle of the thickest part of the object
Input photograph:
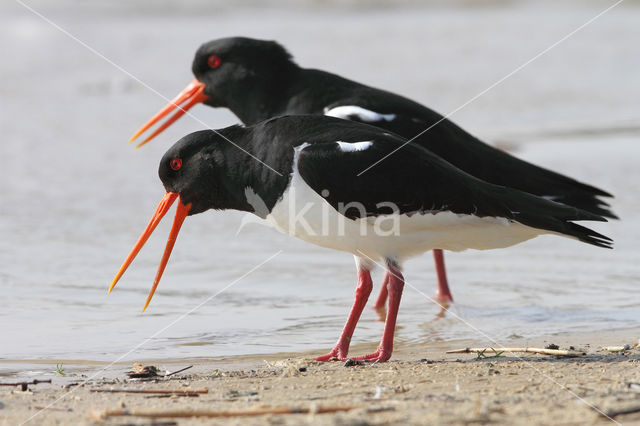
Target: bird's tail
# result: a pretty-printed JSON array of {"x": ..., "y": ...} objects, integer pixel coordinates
[
  {"x": 588, "y": 235},
  {"x": 549, "y": 215}
]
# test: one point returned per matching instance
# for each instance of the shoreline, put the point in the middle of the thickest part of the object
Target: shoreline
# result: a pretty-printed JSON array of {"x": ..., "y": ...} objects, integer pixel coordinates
[
  {"x": 14, "y": 368},
  {"x": 415, "y": 387}
]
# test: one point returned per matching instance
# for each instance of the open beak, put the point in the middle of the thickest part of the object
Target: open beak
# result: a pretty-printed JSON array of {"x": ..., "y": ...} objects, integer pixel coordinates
[
  {"x": 181, "y": 213},
  {"x": 192, "y": 94}
]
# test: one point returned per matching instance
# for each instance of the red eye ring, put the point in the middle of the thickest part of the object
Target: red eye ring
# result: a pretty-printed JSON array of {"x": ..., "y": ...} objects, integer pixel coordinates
[
  {"x": 175, "y": 164},
  {"x": 214, "y": 61}
]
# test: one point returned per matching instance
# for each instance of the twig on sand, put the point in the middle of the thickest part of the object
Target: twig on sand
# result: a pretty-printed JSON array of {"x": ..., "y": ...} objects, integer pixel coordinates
[
  {"x": 25, "y": 385},
  {"x": 157, "y": 391},
  {"x": 209, "y": 413},
  {"x": 66, "y": 410},
  {"x": 173, "y": 395},
  {"x": 33, "y": 382},
  {"x": 611, "y": 413},
  {"x": 178, "y": 371},
  {"x": 556, "y": 352}
]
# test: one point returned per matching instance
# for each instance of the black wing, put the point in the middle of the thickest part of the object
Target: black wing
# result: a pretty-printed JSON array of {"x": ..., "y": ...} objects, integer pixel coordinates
[
  {"x": 417, "y": 181},
  {"x": 468, "y": 153}
]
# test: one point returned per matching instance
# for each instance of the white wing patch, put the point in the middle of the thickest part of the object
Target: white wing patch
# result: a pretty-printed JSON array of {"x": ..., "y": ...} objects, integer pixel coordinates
[
  {"x": 347, "y": 111},
  {"x": 353, "y": 146}
]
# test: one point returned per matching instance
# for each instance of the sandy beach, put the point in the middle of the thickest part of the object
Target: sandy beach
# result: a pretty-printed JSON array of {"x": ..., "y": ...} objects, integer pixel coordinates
[{"x": 419, "y": 386}]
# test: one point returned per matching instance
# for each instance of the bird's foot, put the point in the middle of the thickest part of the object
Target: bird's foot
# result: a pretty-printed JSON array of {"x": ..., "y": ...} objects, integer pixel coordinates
[
  {"x": 443, "y": 299},
  {"x": 380, "y": 306},
  {"x": 382, "y": 313},
  {"x": 381, "y": 355},
  {"x": 336, "y": 354}
]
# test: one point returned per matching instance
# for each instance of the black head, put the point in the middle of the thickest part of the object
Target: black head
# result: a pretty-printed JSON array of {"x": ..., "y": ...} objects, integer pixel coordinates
[
  {"x": 243, "y": 74},
  {"x": 195, "y": 171},
  {"x": 201, "y": 169},
  {"x": 230, "y": 67}
]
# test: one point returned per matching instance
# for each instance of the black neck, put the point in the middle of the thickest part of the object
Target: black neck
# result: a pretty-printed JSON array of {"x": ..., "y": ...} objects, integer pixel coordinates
[
  {"x": 255, "y": 164},
  {"x": 264, "y": 97},
  {"x": 291, "y": 91}
]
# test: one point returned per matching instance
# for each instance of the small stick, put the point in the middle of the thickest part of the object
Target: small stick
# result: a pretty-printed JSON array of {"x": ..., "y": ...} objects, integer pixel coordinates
[
  {"x": 39, "y": 407},
  {"x": 69, "y": 385},
  {"x": 629, "y": 410},
  {"x": 558, "y": 352},
  {"x": 207, "y": 413},
  {"x": 166, "y": 395},
  {"x": 160, "y": 391},
  {"x": 178, "y": 371},
  {"x": 33, "y": 382}
]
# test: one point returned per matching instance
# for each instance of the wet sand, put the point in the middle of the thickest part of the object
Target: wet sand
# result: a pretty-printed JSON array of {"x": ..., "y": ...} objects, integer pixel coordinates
[{"x": 420, "y": 385}]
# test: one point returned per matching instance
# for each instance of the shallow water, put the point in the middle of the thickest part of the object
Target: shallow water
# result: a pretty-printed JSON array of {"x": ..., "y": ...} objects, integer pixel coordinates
[{"x": 75, "y": 196}]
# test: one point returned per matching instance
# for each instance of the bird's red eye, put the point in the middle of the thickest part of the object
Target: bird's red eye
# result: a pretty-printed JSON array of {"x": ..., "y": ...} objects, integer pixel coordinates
[
  {"x": 214, "y": 61},
  {"x": 175, "y": 163}
]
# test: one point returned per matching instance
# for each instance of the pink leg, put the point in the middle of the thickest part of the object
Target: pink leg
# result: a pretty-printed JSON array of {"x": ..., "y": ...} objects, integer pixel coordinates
[
  {"x": 443, "y": 294},
  {"x": 382, "y": 297},
  {"x": 363, "y": 290},
  {"x": 395, "y": 286}
]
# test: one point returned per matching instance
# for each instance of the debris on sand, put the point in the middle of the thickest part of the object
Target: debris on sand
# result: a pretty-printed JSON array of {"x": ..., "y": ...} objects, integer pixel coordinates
[
  {"x": 140, "y": 371},
  {"x": 615, "y": 349},
  {"x": 24, "y": 386},
  {"x": 188, "y": 392},
  {"x": 499, "y": 351},
  {"x": 214, "y": 413}
]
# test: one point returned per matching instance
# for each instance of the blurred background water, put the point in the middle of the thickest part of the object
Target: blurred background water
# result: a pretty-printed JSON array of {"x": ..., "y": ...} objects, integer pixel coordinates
[{"x": 75, "y": 196}]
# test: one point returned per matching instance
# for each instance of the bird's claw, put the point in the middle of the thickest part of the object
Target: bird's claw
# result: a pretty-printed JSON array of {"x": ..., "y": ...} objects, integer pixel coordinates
[
  {"x": 336, "y": 354},
  {"x": 381, "y": 355}
]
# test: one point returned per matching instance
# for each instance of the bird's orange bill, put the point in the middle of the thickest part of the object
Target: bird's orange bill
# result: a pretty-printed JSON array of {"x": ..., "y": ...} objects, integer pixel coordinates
[
  {"x": 181, "y": 213},
  {"x": 161, "y": 210},
  {"x": 192, "y": 94}
]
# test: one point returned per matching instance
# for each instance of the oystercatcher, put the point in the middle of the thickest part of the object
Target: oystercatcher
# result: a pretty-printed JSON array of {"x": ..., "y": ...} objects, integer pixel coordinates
[
  {"x": 308, "y": 178},
  {"x": 257, "y": 79}
]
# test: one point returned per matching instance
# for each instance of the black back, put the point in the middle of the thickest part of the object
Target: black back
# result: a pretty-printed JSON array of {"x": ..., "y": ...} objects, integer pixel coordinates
[{"x": 259, "y": 80}]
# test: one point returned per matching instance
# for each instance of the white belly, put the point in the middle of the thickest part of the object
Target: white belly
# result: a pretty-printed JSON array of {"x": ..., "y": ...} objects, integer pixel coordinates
[{"x": 303, "y": 213}]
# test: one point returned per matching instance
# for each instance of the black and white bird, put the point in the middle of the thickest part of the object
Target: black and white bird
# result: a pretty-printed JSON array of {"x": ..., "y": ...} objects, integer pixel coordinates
[
  {"x": 306, "y": 171},
  {"x": 257, "y": 80}
]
